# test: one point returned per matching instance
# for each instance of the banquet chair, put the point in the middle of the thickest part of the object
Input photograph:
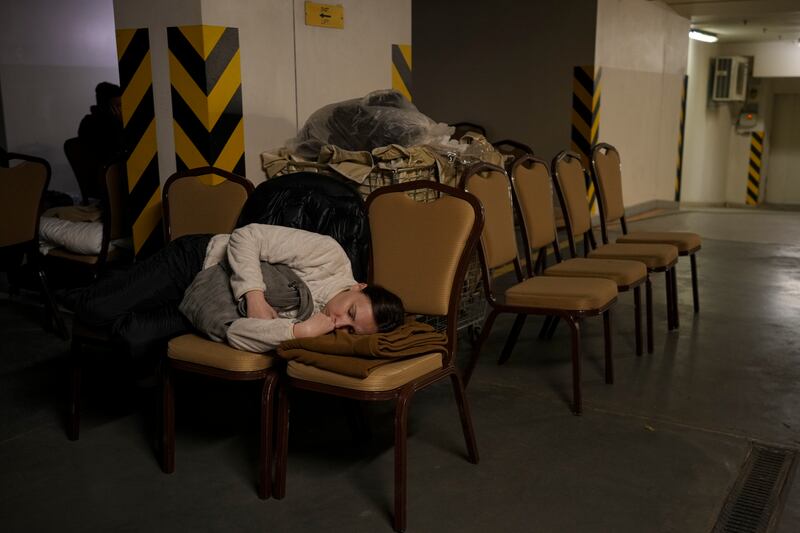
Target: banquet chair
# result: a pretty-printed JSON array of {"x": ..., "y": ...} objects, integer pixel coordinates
[
  {"x": 532, "y": 189},
  {"x": 444, "y": 232},
  {"x": 607, "y": 177},
  {"x": 21, "y": 188},
  {"x": 569, "y": 181},
  {"x": 570, "y": 299},
  {"x": 209, "y": 200}
]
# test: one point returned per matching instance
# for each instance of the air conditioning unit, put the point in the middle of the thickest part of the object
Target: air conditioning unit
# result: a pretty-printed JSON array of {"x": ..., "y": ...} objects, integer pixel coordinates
[{"x": 730, "y": 79}]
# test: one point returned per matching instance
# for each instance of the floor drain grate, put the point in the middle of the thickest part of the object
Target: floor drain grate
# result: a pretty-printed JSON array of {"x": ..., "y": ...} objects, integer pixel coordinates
[{"x": 756, "y": 499}]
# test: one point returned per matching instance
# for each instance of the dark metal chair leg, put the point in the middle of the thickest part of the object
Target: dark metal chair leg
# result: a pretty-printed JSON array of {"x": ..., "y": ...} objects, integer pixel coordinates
[
  {"x": 466, "y": 418},
  {"x": 648, "y": 295},
  {"x": 511, "y": 341},
  {"x": 577, "y": 402},
  {"x": 265, "y": 445},
  {"x": 669, "y": 292},
  {"x": 74, "y": 415},
  {"x": 553, "y": 325},
  {"x": 168, "y": 420},
  {"x": 695, "y": 293},
  {"x": 608, "y": 347},
  {"x": 53, "y": 314},
  {"x": 637, "y": 318},
  {"x": 400, "y": 459},
  {"x": 476, "y": 349},
  {"x": 545, "y": 327},
  {"x": 282, "y": 445},
  {"x": 676, "y": 322}
]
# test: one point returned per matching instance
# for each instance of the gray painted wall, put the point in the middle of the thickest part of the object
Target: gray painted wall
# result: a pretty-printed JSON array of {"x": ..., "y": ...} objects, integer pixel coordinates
[
  {"x": 506, "y": 65},
  {"x": 52, "y": 54}
]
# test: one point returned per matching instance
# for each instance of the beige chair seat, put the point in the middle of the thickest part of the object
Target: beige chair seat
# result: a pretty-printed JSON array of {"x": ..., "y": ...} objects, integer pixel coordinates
[
  {"x": 383, "y": 378},
  {"x": 685, "y": 241},
  {"x": 569, "y": 294},
  {"x": 194, "y": 349},
  {"x": 623, "y": 273},
  {"x": 652, "y": 255}
]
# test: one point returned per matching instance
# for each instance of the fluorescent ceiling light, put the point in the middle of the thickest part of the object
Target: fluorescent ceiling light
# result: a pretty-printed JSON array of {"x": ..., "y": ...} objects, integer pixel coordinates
[{"x": 704, "y": 36}]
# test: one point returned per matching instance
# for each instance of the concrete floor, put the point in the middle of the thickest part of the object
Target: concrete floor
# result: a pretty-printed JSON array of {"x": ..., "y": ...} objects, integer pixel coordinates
[{"x": 655, "y": 452}]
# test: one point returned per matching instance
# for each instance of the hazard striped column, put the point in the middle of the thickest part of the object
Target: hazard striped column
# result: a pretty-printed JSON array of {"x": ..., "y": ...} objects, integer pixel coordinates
[
  {"x": 206, "y": 83},
  {"x": 585, "y": 118},
  {"x": 401, "y": 70},
  {"x": 754, "y": 168},
  {"x": 138, "y": 119},
  {"x": 681, "y": 128}
]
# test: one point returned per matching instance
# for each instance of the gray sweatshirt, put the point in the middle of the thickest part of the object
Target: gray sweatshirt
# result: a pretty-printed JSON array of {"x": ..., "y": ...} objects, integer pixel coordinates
[{"x": 318, "y": 260}]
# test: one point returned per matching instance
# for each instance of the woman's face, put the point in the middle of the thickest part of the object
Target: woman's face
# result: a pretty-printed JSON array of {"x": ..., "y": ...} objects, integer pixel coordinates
[{"x": 352, "y": 309}]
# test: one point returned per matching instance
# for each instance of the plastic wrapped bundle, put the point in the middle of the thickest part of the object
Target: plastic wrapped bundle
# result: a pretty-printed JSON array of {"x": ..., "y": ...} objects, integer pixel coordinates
[{"x": 378, "y": 119}]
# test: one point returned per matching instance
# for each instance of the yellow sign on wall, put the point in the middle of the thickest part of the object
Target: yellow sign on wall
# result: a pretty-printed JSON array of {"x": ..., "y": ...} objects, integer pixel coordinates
[{"x": 324, "y": 15}]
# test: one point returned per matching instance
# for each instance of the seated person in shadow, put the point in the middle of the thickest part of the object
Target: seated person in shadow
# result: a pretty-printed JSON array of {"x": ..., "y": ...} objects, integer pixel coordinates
[
  {"x": 100, "y": 131},
  {"x": 150, "y": 303}
]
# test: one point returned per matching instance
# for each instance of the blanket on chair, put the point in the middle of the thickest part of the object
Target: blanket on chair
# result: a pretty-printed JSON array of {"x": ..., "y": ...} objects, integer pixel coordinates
[{"x": 354, "y": 355}]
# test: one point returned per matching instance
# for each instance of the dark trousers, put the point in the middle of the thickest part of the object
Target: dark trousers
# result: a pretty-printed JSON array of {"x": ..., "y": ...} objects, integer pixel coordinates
[{"x": 140, "y": 305}]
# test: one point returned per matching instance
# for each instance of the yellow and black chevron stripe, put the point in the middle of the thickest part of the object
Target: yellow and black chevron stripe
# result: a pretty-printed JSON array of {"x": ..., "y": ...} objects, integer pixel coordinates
[
  {"x": 206, "y": 79},
  {"x": 585, "y": 117},
  {"x": 401, "y": 70},
  {"x": 754, "y": 168},
  {"x": 681, "y": 128},
  {"x": 138, "y": 118}
]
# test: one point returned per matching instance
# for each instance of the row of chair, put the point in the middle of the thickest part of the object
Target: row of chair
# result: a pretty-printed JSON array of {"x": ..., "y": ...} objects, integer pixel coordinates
[
  {"x": 579, "y": 286},
  {"x": 444, "y": 232}
]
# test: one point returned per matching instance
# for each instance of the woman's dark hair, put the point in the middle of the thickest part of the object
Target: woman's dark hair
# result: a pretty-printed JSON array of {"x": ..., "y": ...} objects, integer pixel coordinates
[{"x": 387, "y": 308}]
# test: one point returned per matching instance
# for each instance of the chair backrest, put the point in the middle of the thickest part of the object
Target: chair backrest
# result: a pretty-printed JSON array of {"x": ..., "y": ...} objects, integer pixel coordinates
[
  {"x": 533, "y": 187},
  {"x": 420, "y": 250},
  {"x": 462, "y": 128},
  {"x": 569, "y": 180},
  {"x": 513, "y": 150},
  {"x": 607, "y": 178},
  {"x": 314, "y": 202},
  {"x": 192, "y": 205},
  {"x": 21, "y": 189},
  {"x": 490, "y": 185},
  {"x": 88, "y": 171}
]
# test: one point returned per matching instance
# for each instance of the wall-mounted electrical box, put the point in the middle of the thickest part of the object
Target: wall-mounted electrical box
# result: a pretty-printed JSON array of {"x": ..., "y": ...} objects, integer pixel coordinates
[{"x": 730, "y": 79}]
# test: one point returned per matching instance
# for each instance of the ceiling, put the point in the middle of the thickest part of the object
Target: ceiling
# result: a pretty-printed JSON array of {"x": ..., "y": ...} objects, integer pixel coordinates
[{"x": 743, "y": 20}]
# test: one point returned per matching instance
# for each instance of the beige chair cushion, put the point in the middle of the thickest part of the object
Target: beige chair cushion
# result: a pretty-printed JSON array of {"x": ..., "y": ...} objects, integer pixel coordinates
[
  {"x": 564, "y": 294},
  {"x": 623, "y": 273},
  {"x": 194, "y": 349},
  {"x": 652, "y": 255},
  {"x": 63, "y": 253},
  {"x": 383, "y": 378},
  {"x": 684, "y": 241}
]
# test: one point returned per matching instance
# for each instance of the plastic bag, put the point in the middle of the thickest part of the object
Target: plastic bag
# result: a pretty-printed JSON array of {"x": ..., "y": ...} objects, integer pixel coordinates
[{"x": 378, "y": 119}]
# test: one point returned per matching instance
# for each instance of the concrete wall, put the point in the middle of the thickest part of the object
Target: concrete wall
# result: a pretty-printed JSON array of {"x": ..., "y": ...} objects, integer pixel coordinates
[
  {"x": 642, "y": 48},
  {"x": 288, "y": 69},
  {"x": 335, "y": 65},
  {"x": 716, "y": 155},
  {"x": 506, "y": 65},
  {"x": 52, "y": 54},
  {"x": 770, "y": 59}
]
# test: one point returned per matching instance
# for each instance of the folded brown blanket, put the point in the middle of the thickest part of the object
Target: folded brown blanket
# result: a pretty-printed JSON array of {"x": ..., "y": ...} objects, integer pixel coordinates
[{"x": 358, "y": 355}]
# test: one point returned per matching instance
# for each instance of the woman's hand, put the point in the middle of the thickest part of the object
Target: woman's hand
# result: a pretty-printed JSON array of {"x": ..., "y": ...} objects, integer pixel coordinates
[
  {"x": 316, "y": 325},
  {"x": 257, "y": 306}
]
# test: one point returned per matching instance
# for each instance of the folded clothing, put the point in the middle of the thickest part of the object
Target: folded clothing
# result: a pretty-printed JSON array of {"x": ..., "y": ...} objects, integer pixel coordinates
[{"x": 354, "y": 355}]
